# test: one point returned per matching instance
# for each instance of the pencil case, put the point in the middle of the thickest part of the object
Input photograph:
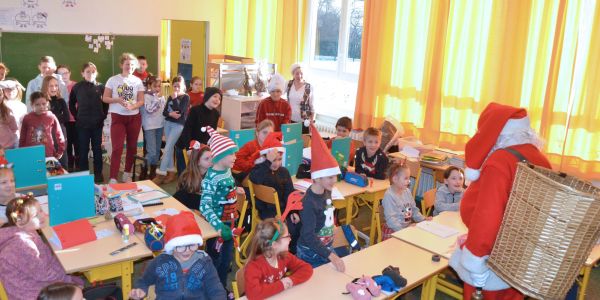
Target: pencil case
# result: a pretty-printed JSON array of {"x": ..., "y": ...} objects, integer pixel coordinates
[{"x": 356, "y": 179}]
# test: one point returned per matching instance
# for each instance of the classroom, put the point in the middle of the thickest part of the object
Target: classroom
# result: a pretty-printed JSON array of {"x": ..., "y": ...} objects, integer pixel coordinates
[{"x": 296, "y": 149}]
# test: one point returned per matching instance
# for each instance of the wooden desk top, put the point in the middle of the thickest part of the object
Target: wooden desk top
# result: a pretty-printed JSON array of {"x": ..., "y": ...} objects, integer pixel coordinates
[
  {"x": 208, "y": 231},
  {"x": 415, "y": 264},
  {"x": 345, "y": 188},
  {"x": 325, "y": 283},
  {"x": 430, "y": 241}
]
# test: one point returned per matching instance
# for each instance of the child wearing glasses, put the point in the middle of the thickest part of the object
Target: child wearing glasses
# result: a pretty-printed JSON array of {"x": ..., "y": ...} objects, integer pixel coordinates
[
  {"x": 183, "y": 271},
  {"x": 270, "y": 268}
]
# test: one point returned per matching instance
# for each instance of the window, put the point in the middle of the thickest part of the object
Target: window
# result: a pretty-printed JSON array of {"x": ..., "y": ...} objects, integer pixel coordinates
[{"x": 335, "y": 40}]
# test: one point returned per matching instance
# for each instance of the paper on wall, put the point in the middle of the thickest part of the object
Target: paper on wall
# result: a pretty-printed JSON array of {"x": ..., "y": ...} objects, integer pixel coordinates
[{"x": 185, "y": 51}]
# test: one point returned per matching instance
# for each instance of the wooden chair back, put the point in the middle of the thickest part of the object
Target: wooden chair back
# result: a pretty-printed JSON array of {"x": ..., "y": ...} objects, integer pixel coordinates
[
  {"x": 238, "y": 285},
  {"x": 428, "y": 202}
]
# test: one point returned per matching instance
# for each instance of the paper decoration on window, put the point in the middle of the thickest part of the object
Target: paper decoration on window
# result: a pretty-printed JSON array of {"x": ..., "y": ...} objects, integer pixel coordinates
[
  {"x": 69, "y": 3},
  {"x": 97, "y": 42},
  {"x": 30, "y": 3}
]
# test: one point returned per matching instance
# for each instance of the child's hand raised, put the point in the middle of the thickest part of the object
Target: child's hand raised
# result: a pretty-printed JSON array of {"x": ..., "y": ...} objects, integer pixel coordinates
[
  {"x": 272, "y": 155},
  {"x": 137, "y": 294}
]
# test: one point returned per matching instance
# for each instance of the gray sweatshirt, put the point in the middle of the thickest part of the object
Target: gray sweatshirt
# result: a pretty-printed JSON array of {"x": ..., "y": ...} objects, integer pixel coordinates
[
  {"x": 400, "y": 210},
  {"x": 446, "y": 201}
]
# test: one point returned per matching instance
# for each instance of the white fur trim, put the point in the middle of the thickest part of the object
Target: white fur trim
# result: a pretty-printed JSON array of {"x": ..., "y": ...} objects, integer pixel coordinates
[
  {"x": 277, "y": 82},
  {"x": 159, "y": 172},
  {"x": 182, "y": 241},
  {"x": 473, "y": 263},
  {"x": 493, "y": 283},
  {"x": 259, "y": 160},
  {"x": 472, "y": 174},
  {"x": 264, "y": 151},
  {"x": 325, "y": 172},
  {"x": 513, "y": 125}
]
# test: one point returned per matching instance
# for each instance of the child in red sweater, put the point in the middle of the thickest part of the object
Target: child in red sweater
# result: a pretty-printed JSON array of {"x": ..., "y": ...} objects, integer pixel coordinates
[
  {"x": 269, "y": 262},
  {"x": 274, "y": 108},
  {"x": 246, "y": 157},
  {"x": 195, "y": 92},
  {"x": 40, "y": 126}
]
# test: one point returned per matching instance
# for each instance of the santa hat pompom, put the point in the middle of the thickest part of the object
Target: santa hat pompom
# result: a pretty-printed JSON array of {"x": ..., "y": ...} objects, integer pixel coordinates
[
  {"x": 194, "y": 145},
  {"x": 306, "y": 123},
  {"x": 328, "y": 201},
  {"x": 472, "y": 174},
  {"x": 203, "y": 129}
]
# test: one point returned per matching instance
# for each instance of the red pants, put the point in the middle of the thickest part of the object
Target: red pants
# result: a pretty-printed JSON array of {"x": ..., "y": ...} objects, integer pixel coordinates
[
  {"x": 507, "y": 294},
  {"x": 123, "y": 129}
]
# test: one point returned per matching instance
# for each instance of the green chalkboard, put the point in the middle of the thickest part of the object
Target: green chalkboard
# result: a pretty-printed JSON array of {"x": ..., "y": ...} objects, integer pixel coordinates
[{"x": 21, "y": 53}]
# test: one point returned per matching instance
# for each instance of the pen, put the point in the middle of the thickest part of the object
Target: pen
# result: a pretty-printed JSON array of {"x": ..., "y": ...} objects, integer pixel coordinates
[
  {"x": 123, "y": 249},
  {"x": 152, "y": 204}
]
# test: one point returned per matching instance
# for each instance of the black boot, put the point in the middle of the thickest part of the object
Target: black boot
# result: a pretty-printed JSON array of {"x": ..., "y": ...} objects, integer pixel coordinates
[
  {"x": 98, "y": 177},
  {"x": 143, "y": 173}
]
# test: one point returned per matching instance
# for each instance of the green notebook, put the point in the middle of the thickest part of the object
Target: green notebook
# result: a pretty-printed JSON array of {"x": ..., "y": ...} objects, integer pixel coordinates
[
  {"x": 293, "y": 156},
  {"x": 340, "y": 149}
]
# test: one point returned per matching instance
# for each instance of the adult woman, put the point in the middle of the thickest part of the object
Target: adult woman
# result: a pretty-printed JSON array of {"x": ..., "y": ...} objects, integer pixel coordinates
[{"x": 300, "y": 96}]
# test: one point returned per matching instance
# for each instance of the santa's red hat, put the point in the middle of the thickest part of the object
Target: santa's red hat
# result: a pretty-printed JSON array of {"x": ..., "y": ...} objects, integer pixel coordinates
[
  {"x": 272, "y": 141},
  {"x": 495, "y": 120},
  {"x": 322, "y": 162},
  {"x": 182, "y": 230}
]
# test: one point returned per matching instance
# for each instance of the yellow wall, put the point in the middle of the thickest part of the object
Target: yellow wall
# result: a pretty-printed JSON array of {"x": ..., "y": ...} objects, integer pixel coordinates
[{"x": 194, "y": 31}]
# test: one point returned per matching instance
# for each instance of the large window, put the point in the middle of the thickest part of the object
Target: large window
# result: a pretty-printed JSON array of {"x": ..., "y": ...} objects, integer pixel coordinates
[{"x": 335, "y": 37}]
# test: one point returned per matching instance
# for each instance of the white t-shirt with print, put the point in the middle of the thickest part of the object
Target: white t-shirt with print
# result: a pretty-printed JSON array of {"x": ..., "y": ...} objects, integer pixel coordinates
[{"x": 126, "y": 87}]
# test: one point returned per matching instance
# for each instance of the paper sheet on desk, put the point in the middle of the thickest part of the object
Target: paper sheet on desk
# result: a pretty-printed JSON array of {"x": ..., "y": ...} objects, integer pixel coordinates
[
  {"x": 166, "y": 211},
  {"x": 304, "y": 184},
  {"x": 438, "y": 229},
  {"x": 410, "y": 152}
]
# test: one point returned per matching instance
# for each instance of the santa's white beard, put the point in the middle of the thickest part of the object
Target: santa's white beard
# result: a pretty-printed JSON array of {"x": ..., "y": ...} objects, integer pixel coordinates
[{"x": 518, "y": 137}]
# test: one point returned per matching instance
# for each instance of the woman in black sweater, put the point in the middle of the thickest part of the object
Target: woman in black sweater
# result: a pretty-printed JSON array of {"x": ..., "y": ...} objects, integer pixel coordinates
[{"x": 85, "y": 103}]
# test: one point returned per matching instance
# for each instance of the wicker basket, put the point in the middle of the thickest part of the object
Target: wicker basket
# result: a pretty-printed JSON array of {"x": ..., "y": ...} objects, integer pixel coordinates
[{"x": 551, "y": 223}]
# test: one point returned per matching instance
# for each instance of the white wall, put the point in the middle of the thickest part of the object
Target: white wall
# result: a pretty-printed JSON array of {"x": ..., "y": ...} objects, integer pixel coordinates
[{"x": 132, "y": 17}]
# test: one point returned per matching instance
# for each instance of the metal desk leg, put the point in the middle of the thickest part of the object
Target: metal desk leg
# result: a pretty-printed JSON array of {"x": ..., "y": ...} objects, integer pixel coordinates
[{"x": 429, "y": 288}]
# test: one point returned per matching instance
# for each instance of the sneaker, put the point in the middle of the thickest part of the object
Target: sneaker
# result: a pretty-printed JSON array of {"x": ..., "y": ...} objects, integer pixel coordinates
[
  {"x": 112, "y": 181},
  {"x": 126, "y": 178}
]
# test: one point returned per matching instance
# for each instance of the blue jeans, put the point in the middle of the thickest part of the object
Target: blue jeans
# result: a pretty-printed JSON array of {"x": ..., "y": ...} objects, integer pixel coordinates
[
  {"x": 85, "y": 136},
  {"x": 221, "y": 259},
  {"x": 311, "y": 257},
  {"x": 172, "y": 133},
  {"x": 153, "y": 138}
]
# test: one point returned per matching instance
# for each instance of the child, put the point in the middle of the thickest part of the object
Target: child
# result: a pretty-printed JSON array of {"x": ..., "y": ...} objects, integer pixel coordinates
[
  {"x": 40, "y": 126},
  {"x": 273, "y": 108},
  {"x": 316, "y": 235},
  {"x": 343, "y": 127},
  {"x": 183, "y": 271},
  {"x": 218, "y": 200},
  {"x": 58, "y": 106},
  {"x": 64, "y": 72},
  {"x": 448, "y": 195},
  {"x": 141, "y": 72},
  {"x": 175, "y": 113},
  {"x": 86, "y": 105},
  {"x": 153, "y": 122},
  {"x": 13, "y": 92},
  {"x": 249, "y": 153},
  {"x": 125, "y": 95},
  {"x": 188, "y": 189},
  {"x": 399, "y": 206},
  {"x": 7, "y": 186},
  {"x": 27, "y": 264},
  {"x": 3, "y": 71},
  {"x": 270, "y": 268},
  {"x": 8, "y": 125},
  {"x": 47, "y": 67},
  {"x": 61, "y": 291},
  {"x": 195, "y": 92},
  {"x": 206, "y": 114},
  {"x": 269, "y": 172},
  {"x": 369, "y": 159}
]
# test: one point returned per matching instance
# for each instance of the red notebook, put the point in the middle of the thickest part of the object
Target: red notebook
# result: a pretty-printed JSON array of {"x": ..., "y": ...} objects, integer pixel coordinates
[
  {"x": 123, "y": 186},
  {"x": 75, "y": 233}
]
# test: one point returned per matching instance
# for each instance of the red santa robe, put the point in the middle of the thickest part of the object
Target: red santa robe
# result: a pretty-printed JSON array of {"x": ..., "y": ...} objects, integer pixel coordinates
[{"x": 482, "y": 209}]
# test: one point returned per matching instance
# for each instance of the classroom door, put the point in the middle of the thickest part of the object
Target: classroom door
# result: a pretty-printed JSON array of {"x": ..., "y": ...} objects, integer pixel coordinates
[{"x": 184, "y": 49}]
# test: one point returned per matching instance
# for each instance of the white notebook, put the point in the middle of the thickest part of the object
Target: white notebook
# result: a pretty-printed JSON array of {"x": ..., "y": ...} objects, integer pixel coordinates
[{"x": 438, "y": 229}]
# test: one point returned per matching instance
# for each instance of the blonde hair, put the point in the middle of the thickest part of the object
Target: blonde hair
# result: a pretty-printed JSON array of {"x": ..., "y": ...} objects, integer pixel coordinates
[
  {"x": 46, "y": 84},
  {"x": 127, "y": 56},
  {"x": 262, "y": 241},
  {"x": 19, "y": 211},
  {"x": 396, "y": 168},
  {"x": 264, "y": 124},
  {"x": 372, "y": 131},
  {"x": 190, "y": 179},
  {"x": 19, "y": 88},
  {"x": 6, "y": 69}
]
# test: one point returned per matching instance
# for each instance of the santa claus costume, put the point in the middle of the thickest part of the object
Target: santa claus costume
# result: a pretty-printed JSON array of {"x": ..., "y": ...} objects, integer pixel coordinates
[{"x": 491, "y": 169}]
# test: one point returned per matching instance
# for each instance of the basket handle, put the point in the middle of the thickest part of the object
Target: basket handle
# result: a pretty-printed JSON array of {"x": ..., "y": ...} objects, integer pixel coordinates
[{"x": 522, "y": 159}]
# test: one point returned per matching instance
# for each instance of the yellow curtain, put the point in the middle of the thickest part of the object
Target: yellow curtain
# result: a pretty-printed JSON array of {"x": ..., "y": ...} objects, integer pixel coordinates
[
  {"x": 266, "y": 30},
  {"x": 443, "y": 61}
]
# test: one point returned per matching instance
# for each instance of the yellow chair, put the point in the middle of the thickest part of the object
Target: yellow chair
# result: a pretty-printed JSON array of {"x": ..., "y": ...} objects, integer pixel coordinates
[
  {"x": 3, "y": 295},
  {"x": 266, "y": 194},
  {"x": 238, "y": 285},
  {"x": 242, "y": 207},
  {"x": 339, "y": 239},
  {"x": 428, "y": 202}
]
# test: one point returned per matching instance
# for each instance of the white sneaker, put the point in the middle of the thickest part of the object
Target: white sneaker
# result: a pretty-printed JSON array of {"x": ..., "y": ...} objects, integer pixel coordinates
[
  {"x": 126, "y": 177},
  {"x": 112, "y": 181}
]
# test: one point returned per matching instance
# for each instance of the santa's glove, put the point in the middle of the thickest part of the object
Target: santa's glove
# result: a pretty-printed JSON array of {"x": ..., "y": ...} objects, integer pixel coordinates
[
  {"x": 225, "y": 232},
  {"x": 477, "y": 267}
]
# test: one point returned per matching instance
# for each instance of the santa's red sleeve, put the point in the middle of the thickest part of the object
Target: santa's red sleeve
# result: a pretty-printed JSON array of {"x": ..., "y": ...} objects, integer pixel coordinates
[{"x": 495, "y": 185}]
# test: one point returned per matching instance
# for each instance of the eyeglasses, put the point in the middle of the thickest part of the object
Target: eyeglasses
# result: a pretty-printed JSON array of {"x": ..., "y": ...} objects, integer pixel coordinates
[
  {"x": 287, "y": 236},
  {"x": 192, "y": 247}
]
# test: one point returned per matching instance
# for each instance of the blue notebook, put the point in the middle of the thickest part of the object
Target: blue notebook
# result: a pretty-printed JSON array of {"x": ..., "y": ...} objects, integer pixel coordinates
[
  {"x": 340, "y": 149},
  {"x": 29, "y": 165},
  {"x": 293, "y": 156},
  {"x": 291, "y": 132},
  {"x": 242, "y": 137},
  {"x": 71, "y": 197}
]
